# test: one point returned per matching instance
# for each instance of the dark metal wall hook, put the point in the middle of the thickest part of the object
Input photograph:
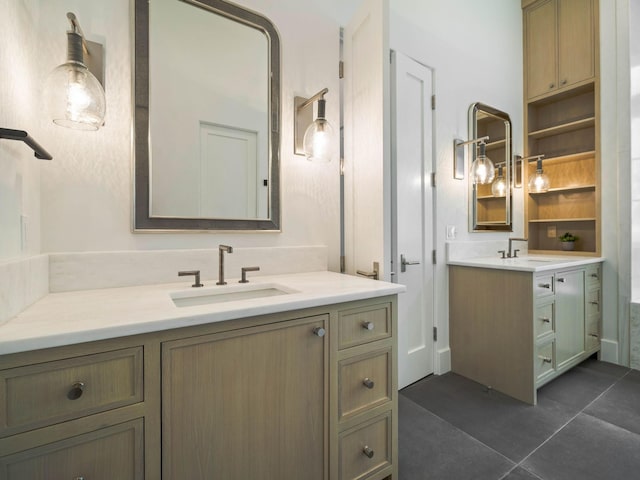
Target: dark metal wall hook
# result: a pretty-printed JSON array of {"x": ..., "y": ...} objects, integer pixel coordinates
[{"x": 39, "y": 152}]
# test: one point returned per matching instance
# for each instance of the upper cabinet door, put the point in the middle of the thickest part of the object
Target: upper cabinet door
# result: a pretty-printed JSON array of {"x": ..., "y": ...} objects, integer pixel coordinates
[
  {"x": 560, "y": 47},
  {"x": 540, "y": 48},
  {"x": 576, "y": 41}
]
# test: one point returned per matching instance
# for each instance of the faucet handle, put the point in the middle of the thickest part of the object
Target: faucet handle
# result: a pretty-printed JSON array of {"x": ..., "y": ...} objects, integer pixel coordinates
[
  {"x": 515, "y": 253},
  {"x": 244, "y": 271},
  {"x": 503, "y": 252},
  {"x": 196, "y": 273}
]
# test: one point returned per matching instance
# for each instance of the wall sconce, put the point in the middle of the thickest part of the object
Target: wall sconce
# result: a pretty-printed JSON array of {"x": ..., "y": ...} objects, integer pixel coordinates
[
  {"x": 499, "y": 185},
  {"x": 312, "y": 138},
  {"x": 482, "y": 169},
  {"x": 73, "y": 91},
  {"x": 539, "y": 182}
]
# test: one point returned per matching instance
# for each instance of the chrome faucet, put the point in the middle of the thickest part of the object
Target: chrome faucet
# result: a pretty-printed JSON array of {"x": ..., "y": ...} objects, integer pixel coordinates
[
  {"x": 221, "y": 250},
  {"x": 515, "y": 252}
]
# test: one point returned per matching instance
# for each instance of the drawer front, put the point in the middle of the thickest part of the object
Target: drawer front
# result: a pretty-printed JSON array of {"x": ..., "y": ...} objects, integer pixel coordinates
[
  {"x": 544, "y": 320},
  {"x": 47, "y": 393},
  {"x": 364, "y": 382},
  {"x": 362, "y": 325},
  {"x": 593, "y": 274},
  {"x": 543, "y": 285},
  {"x": 592, "y": 332},
  {"x": 593, "y": 302},
  {"x": 365, "y": 449},
  {"x": 107, "y": 454},
  {"x": 545, "y": 360}
]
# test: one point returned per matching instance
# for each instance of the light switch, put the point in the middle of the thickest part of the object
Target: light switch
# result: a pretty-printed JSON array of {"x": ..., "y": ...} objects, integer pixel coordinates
[{"x": 451, "y": 232}]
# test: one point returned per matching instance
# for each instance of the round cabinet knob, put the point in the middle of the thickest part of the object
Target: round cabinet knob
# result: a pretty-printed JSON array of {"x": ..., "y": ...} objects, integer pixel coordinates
[
  {"x": 545, "y": 319},
  {"x": 368, "y": 451},
  {"x": 368, "y": 326},
  {"x": 551, "y": 85},
  {"x": 544, "y": 285},
  {"x": 319, "y": 331},
  {"x": 77, "y": 389},
  {"x": 545, "y": 359},
  {"x": 560, "y": 280},
  {"x": 367, "y": 382},
  {"x": 564, "y": 82}
]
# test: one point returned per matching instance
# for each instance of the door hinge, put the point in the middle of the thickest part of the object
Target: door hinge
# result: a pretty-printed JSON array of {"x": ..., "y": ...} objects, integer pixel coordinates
[
  {"x": 433, "y": 102},
  {"x": 433, "y": 257},
  {"x": 433, "y": 179},
  {"x": 435, "y": 334},
  {"x": 340, "y": 69}
]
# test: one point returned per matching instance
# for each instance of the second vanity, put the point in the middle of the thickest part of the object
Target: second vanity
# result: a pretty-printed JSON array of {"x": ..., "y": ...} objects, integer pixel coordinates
[
  {"x": 517, "y": 323},
  {"x": 124, "y": 383}
]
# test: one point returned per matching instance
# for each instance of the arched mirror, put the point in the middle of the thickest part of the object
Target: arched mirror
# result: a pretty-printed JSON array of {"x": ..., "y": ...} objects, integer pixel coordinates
[
  {"x": 207, "y": 117},
  {"x": 490, "y": 203}
]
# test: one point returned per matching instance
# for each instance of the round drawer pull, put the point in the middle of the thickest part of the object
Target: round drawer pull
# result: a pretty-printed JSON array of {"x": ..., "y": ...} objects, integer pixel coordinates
[
  {"x": 594, "y": 303},
  {"x": 368, "y": 451},
  {"x": 77, "y": 389},
  {"x": 593, "y": 335},
  {"x": 545, "y": 359},
  {"x": 544, "y": 285},
  {"x": 319, "y": 331},
  {"x": 551, "y": 85},
  {"x": 367, "y": 382},
  {"x": 594, "y": 275},
  {"x": 560, "y": 280},
  {"x": 368, "y": 326},
  {"x": 545, "y": 319}
]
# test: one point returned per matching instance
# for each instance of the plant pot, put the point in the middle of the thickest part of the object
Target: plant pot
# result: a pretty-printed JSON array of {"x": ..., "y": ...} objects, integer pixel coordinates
[{"x": 568, "y": 246}]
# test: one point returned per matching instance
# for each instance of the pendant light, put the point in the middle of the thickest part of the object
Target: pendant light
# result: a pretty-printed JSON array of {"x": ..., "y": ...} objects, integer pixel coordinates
[
  {"x": 539, "y": 183},
  {"x": 482, "y": 169},
  {"x": 499, "y": 185},
  {"x": 74, "y": 96}
]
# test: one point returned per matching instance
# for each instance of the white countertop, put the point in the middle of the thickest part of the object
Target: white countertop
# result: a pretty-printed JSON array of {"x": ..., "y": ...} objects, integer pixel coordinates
[
  {"x": 527, "y": 263},
  {"x": 88, "y": 315}
]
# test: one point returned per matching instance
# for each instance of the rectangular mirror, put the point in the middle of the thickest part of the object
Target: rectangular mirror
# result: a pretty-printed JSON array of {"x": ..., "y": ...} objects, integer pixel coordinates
[
  {"x": 490, "y": 205},
  {"x": 207, "y": 122}
]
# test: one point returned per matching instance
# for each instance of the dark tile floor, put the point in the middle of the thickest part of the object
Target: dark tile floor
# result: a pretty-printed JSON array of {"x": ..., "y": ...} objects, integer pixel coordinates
[{"x": 586, "y": 426}]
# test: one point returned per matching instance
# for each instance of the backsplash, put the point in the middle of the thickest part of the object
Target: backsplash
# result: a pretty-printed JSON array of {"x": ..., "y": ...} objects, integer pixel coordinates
[
  {"x": 22, "y": 282},
  {"x": 485, "y": 248},
  {"x": 91, "y": 270}
]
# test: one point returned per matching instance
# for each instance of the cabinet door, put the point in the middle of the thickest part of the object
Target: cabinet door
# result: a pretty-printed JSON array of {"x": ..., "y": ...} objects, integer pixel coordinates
[
  {"x": 540, "y": 48},
  {"x": 569, "y": 315},
  {"x": 576, "y": 41},
  {"x": 247, "y": 404}
]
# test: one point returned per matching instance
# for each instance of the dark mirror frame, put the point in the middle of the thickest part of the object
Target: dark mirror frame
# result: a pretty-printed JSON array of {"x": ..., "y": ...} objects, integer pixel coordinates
[{"x": 141, "y": 141}]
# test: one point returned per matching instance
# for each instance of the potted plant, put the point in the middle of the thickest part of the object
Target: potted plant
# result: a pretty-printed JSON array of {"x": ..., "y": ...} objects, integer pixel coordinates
[{"x": 568, "y": 241}]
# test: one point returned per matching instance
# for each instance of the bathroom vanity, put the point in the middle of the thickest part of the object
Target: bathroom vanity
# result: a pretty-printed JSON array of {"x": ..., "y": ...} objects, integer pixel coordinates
[
  {"x": 517, "y": 323},
  {"x": 124, "y": 383}
]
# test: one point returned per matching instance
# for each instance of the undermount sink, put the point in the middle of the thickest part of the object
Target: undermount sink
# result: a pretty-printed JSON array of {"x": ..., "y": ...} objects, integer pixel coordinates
[{"x": 230, "y": 293}]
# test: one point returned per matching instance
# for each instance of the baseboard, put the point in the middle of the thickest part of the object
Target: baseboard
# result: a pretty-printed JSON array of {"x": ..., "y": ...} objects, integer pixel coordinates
[
  {"x": 609, "y": 351},
  {"x": 443, "y": 361}
]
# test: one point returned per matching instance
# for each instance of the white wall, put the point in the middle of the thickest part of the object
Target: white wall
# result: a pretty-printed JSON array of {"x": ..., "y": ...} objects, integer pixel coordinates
[
  {"x": 19, "y": 169},
  {"x": 86, "y": 190},
  {"x": 475, "y": 49}
]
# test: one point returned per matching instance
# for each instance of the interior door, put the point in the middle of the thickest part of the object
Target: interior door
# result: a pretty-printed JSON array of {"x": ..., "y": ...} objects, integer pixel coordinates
[
  {"x": 412, "y": 214},
  {"x": 366, "y": 139}
]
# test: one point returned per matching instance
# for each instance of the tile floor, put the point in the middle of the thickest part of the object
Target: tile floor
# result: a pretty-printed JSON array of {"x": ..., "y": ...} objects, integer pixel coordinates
[{"x": 586, "y": 426}]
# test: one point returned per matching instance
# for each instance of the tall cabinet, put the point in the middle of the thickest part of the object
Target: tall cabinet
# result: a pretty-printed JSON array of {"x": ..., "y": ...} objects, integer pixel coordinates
[{"x": 562, "y": 122}]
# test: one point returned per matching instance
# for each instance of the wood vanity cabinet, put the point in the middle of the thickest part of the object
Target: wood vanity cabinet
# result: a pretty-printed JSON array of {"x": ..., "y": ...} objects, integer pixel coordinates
[
  {"x": 304, "y": 394},
  {"x": 538, "y": 327},
  {"x": 562, "y": 122},
  {"x": 560, "y": 44}
]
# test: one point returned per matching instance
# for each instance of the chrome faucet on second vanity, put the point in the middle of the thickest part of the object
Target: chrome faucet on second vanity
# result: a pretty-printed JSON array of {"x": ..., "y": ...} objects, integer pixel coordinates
[{"x": 221, "y": 250}]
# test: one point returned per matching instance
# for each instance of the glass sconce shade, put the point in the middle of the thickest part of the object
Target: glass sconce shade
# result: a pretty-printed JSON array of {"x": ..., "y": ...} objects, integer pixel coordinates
[
  {"x": 75, "y": 98},
  {"x": 499, "y": 185},
  {"x": 540, "y": 181},
  {"x": 317, "y": 141},
  {"x": 482, "y": 169}
]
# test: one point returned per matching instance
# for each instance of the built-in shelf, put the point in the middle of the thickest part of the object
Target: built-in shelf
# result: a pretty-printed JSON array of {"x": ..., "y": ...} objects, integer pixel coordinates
[
  {"x": 564, "y": 128},
  {"x": 489, "y": 197},
  {"x": 555, "y": 220},
  {"x": 574, "y": 157},
  {"x": 578, "y": 188}
]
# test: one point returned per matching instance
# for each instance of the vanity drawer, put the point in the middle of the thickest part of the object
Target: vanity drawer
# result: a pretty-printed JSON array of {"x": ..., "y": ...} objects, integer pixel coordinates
[
  {"x": 107, "y": 454},
  {"x": 544, "y": 320},
  {"x": 364, "y": 382},
  {"x": 42, "y": 394},
  {"x": 543, "y": 285},
  {"x": 593, "y": 274},
  {"x": 363, "y": 325},
  {"x": 592, "y": 304},
  {"x": 365, "y": 449},
  {"x": 545, "y": 360}
]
